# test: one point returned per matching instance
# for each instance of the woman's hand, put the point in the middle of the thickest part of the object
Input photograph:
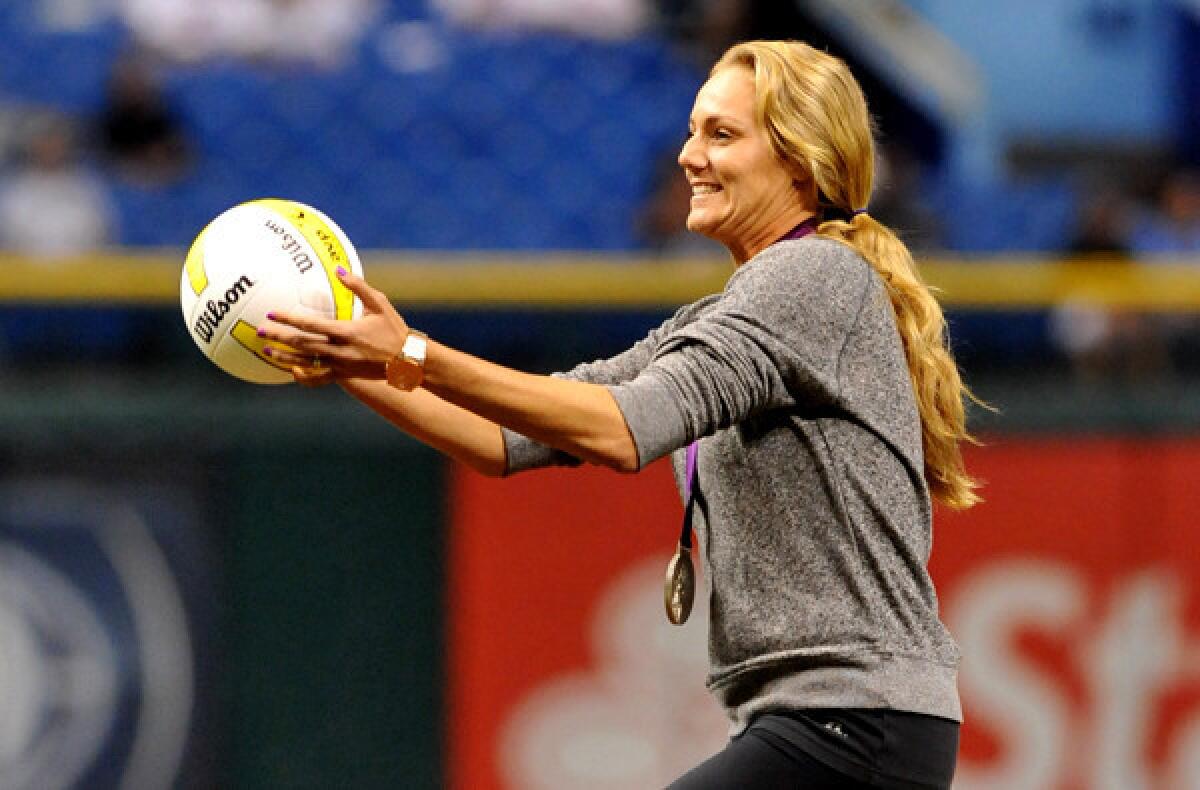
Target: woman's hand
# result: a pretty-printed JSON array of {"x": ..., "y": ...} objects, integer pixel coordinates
[{"x": 322, "y": 350}]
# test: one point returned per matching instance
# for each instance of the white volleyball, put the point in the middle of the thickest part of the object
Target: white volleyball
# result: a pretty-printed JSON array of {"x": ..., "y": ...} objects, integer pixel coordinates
[{"x": 255, "y": 258}]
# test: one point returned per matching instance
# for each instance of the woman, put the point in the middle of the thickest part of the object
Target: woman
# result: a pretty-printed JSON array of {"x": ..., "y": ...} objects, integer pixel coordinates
[{"x": 827, "y": 407}]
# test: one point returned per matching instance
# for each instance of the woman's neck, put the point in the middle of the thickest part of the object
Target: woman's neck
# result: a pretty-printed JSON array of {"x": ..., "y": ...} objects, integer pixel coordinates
[{"x": 786, "y": 225}]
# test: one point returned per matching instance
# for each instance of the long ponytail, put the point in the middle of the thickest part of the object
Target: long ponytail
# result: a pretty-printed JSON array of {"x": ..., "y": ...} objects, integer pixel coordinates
[
  {"x": 816, "y": 117},
  {"x": 937, "y": 384}
]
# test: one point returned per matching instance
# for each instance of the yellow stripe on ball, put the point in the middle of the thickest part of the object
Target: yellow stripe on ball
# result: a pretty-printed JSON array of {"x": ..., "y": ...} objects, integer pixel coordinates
[
  {"x": 194, "y": 265},
  {"x": 247, "y": 335},
  {"x": 325, "y": 241}
]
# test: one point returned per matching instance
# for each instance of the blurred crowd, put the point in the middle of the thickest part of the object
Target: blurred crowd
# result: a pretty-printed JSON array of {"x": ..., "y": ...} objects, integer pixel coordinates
[
  {"x": 288, "y": 32},
  {"x": 58, "y": 169},
  {"x": 1116, "y": 228},
  {"x": 65, "y": 165}
]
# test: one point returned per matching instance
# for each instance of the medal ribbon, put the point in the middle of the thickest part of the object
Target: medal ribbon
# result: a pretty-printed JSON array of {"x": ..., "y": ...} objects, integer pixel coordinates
[
  {"x": 690, "y": 487},
  {"x": 679, "y": 589}
]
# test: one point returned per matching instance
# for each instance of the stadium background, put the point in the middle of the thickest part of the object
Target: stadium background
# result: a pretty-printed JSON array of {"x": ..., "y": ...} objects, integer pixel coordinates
[{"x": 207, "y": 584}]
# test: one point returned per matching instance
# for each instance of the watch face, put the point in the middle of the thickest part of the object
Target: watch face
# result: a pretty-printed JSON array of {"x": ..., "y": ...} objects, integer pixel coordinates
[
  {"x": 403, "y": 375},
  {"x": 413, "y": 350}
]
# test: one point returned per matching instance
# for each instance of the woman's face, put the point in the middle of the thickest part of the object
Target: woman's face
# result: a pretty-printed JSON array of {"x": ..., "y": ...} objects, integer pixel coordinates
[{"x": 742, "y": 194}]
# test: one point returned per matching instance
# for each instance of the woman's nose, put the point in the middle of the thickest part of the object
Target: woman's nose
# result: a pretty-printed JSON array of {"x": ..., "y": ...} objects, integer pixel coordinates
[{"x": 690, "y": 157}]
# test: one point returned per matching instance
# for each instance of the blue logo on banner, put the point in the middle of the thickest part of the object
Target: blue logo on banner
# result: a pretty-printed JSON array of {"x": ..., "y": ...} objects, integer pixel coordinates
[{"x": 96, "y": 658}]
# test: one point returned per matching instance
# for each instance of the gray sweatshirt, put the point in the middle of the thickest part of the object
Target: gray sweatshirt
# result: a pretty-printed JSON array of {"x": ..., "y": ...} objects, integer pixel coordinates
[{"x": 815, "y": 524}]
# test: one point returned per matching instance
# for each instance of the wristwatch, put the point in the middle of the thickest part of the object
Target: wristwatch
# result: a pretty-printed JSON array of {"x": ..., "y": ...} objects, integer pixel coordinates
[{"x": 406, "y": 370}]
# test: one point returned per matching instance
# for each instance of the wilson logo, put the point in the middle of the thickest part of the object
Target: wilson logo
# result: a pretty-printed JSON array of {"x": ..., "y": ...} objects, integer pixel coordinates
[
  {"x": 292, "y": 247},
  {"x": 215, "y": 311}
]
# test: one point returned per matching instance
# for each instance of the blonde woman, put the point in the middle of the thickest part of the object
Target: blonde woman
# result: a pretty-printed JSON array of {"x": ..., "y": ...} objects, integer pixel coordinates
[{"x": 823, "y": 412}]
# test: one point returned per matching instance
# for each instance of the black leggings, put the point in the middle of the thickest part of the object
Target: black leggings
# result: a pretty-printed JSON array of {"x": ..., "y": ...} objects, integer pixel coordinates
[
  {"x": 797, "y": 751},
  {"x": 755, "y": 762}
]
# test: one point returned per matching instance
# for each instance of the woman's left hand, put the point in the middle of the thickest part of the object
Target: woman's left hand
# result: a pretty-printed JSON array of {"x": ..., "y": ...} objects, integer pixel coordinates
[{"x": 321, "y": 350}]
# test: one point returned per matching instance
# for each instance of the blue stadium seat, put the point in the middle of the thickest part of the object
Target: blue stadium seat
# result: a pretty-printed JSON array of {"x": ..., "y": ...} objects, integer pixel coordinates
[{"x": 532, "y": 140}]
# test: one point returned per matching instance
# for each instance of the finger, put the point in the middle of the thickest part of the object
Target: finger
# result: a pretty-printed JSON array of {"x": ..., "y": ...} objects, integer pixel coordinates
[
  {"x": 303, "y": 351},
  {"x": 328, "y": 328},
  {"x": 372, "y": 298},
  {"x": 295, "y": 358},
  {"x": 309, "y": 377},
  {"x": 285, "y": 334}
]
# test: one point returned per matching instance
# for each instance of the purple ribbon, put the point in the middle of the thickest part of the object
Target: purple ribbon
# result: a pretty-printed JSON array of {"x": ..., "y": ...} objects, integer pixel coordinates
[
  {"x": 800, "y": 231},
  {"x": 690, "y": 488}
]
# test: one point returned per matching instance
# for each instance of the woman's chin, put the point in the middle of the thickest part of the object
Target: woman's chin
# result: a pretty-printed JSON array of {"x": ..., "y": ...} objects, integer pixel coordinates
[{"x": 702, "y": 226}]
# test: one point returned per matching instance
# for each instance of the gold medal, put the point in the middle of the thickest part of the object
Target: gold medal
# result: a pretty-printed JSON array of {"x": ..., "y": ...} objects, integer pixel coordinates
[{"x": 679, "y": 590}]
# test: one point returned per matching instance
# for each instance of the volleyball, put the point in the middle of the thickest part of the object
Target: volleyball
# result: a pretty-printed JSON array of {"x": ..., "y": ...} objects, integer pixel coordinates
[{"x": 254, "y": 258}]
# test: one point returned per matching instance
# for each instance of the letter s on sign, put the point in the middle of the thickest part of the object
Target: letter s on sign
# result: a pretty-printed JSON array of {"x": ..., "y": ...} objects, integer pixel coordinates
[{"x": 1025, "y": 708}]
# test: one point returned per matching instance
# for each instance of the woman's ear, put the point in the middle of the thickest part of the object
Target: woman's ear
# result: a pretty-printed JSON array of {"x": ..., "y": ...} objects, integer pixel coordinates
[{"x": 803, "y": 184}]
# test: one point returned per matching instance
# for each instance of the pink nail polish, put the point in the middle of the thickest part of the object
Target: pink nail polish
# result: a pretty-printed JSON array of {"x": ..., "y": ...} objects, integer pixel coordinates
[
  {"x": 262, "y": 333},
  {"x": 268, "y": 352},
  {"x": 342, "y": 270},
  {"x": 270, "y": 316}
]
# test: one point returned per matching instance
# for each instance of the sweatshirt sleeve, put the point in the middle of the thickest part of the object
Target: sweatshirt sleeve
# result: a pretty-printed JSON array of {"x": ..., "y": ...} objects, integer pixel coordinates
[
  {"x": 523, "y": 453},
  {"x": 772, "y": 341}
]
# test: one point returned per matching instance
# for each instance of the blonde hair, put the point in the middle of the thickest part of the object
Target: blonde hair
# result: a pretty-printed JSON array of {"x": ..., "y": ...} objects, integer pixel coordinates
[{"x": 816, "y": 117}]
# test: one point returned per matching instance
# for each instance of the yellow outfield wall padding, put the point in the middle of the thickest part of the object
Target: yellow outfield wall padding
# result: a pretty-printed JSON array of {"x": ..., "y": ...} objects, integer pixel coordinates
[{"x": 575, "y": 281}]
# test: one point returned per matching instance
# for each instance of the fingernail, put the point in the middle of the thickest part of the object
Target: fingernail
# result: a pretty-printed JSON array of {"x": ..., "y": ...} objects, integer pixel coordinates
[
  {"x": 262, "y": 333},
  {"x": 342, "y": 271},
  {"x": 268, "y": 352},
  {"x": 270, "y": 316}
]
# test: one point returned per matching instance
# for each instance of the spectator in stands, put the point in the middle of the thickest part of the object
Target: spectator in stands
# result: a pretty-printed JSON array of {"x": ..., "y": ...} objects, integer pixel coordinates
[
  {"x": 1101, "y": 342},
  {"x": 1174, "y": 232},
  {"x": 610, "y": 19},
  {"x": 899, "y": 200},
  {"x": 1103, "y": 225},
  {"x": 51, "y": 206},
  {"x": 1175, "y": 228},
  {"x": 319, "y": 32},
  {"x": 706, "y": 27},
  {"x": 136, "y": 131}
]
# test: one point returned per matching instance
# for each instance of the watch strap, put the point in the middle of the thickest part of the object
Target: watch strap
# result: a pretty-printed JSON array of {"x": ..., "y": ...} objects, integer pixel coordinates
[{"x": 406, "y": 370}]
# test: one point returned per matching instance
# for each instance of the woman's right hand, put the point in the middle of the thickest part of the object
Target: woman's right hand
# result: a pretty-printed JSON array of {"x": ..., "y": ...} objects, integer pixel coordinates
[
  {"x": 313, "y": 377},
  {"x": 320, "y": 351}
]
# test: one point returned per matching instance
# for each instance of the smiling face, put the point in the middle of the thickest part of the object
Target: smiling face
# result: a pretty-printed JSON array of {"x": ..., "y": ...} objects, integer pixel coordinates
[{"x": 743, "y": 195}]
